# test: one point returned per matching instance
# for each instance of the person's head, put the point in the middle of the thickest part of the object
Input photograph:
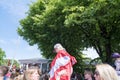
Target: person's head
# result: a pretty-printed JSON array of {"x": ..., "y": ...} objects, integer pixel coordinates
[
  {"x": 3, "y": 70},
  {"x": 17, "y": 69},
  {"x": 19, "y": 77},
  {"x": 117, "y": 64},
  {"x": 115, "y": 55},
  {"x": 13, "y": 75},
  {"x": 88, "y": 74},
  {"x": 31, "y": 74},
  {"x": 58, "y": 47},
  {"x": 105, "y": 72}
]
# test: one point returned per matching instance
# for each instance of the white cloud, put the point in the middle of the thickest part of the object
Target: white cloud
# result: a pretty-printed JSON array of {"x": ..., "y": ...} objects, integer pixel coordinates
[
  {"x": 15, "y": 7},
  {"x": 31, "y": 48},
  {"x": 3, "y": 41},
  {"x": 16, "y": 41}
]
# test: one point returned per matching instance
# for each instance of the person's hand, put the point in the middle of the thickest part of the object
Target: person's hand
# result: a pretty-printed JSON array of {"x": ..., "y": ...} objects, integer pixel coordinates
[{"x": 63, "y": 72}]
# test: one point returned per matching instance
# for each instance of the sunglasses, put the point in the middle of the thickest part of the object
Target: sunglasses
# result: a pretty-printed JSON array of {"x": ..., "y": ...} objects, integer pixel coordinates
[{"x": 96, "y": 73}]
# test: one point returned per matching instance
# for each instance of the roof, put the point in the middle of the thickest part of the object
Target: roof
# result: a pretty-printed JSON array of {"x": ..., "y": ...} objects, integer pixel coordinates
[{"x": 35, "y": 60}]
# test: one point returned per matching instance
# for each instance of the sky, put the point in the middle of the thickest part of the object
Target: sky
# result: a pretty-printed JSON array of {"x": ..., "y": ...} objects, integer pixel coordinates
[{"x": 11, "y": 12}]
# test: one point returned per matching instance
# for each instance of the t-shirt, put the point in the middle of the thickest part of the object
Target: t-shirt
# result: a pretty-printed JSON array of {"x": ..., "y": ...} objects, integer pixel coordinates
[{"x": 5, "y": 78}]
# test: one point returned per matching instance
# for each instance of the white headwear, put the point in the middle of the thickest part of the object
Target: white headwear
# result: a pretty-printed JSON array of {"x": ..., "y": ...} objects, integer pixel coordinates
[{"x": 58, "y": 46}]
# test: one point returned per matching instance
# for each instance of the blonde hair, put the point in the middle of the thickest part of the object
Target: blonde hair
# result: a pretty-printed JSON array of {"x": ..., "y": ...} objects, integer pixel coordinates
[
  {"x": 106, "y": 72},
  {"x": 29, "y": 72}
]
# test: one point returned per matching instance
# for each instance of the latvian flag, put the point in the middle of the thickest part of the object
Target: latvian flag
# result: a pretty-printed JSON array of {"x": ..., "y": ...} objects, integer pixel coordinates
[{"x": 61, "y": 66}]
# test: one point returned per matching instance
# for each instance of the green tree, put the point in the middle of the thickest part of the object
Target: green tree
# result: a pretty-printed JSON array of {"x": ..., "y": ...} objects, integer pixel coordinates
[
  {"x": 2, "y": 56},
  {"x": 45, "y": 27},
  {"x": 15, "y": 63},
  {"x": 100, "y": 24},
  {"x": 11, "y": 62},
  {"x": 75, "y": 24}
]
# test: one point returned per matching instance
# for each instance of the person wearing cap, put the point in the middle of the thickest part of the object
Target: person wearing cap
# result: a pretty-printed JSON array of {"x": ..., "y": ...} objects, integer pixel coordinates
[
  {"x": 61, "y": 66},
  {"x": 116, "y": 56}
]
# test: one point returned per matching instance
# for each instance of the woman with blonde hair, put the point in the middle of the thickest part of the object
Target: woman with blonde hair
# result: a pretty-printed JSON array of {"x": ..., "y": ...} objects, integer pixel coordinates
[
  {"x": 105, "y": 72},
  {"x": 32, "y": 74}
]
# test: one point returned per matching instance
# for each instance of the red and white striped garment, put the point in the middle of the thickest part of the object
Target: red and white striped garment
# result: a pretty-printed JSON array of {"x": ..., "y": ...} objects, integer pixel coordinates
[{"x": 61, "y": 66}]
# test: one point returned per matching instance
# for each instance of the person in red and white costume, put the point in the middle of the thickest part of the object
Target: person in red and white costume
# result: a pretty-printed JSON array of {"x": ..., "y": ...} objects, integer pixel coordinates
[{"x": 61, "y": 66}]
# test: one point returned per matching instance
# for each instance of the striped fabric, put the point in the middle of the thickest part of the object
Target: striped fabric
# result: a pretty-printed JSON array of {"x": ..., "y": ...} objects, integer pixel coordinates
[{"x": 61, "y": 66}]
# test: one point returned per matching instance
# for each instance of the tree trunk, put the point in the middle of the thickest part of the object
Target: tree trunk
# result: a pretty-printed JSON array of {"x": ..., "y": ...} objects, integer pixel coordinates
[{"x": 108, "y": 50}]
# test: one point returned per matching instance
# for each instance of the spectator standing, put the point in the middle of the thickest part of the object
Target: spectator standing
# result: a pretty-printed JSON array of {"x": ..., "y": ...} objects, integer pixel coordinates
[
  {"x": 116, "y": 56},
  {"x": 31, "y": 74},
  {"x": 105, "y": 72},
  {"x": 3, "y": 71},
  {"x": 88, "y": 74}
]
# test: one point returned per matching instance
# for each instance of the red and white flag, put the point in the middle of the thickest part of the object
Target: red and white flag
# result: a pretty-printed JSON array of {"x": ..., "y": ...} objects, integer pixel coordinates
[{"x": 61, "y": 66}]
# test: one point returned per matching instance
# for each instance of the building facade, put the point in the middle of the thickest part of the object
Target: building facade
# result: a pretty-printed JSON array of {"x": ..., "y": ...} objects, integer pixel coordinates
[{"x": 43, "y": 64}]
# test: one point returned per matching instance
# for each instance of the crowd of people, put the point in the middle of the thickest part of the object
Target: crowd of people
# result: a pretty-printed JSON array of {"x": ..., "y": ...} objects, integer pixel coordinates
[
  {"x": 62, "y": 69},
  {"x": 33, "y": 73}
]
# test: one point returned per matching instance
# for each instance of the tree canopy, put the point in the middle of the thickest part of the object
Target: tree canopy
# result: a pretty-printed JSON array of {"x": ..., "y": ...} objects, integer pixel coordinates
[
  {"x": 75, "y": 24},
  {"x": 2, "y": 56}
]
